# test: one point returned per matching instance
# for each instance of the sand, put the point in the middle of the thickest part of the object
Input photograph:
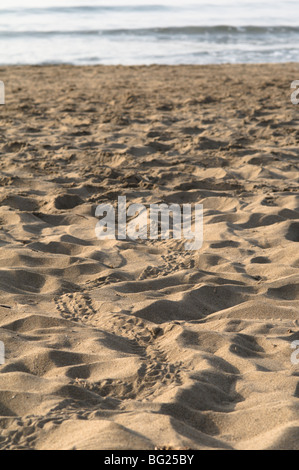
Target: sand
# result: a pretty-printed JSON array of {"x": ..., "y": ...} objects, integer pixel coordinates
[{"x": 141, "y": 344}]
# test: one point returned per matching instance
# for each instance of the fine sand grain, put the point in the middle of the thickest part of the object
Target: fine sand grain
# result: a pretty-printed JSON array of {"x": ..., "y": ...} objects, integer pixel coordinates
[{"x": 137, "y": 345}]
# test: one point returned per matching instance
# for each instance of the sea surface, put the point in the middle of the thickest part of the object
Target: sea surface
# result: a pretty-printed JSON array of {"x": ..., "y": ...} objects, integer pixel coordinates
[{"x": 148, "y": 32}]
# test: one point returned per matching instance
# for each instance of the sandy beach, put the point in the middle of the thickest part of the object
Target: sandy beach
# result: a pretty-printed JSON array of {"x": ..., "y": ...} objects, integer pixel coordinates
[{"x": 123, "y": 344}]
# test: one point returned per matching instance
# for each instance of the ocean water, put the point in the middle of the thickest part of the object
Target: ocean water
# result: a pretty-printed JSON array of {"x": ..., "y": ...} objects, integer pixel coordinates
[{"x": 145, "y": 32}]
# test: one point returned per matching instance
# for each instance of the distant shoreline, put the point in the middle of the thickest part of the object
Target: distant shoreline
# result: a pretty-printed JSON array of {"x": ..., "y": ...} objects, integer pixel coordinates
[{"x": 140, "y": 66}]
